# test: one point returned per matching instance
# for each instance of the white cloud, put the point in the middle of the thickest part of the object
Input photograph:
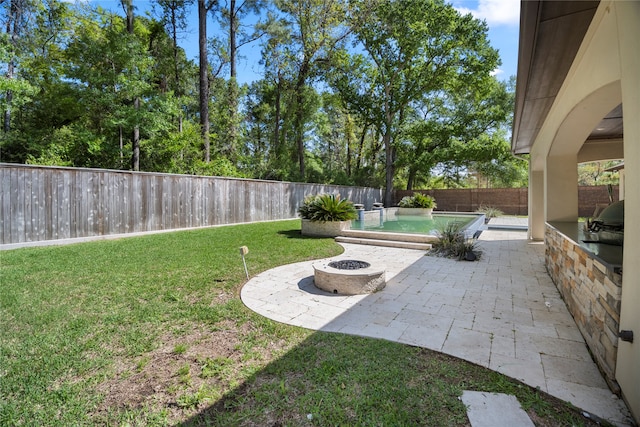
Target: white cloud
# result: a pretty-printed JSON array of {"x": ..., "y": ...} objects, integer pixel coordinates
[
  {"x": 496, "y": 72},
  {"x": 495, "y": 12}
]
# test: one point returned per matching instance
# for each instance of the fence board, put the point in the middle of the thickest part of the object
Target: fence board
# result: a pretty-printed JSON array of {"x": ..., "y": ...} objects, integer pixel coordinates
[
  {"x": 65, "y": 204},
  {"x": 17, "y": 182},
  {"x": 51, "y": 210},
  {"x": 27, "y": 184},
  {"x": 49, "y": 203},
  {"x": 39, "y": 201},
  {"x": 5, "y": 204}
]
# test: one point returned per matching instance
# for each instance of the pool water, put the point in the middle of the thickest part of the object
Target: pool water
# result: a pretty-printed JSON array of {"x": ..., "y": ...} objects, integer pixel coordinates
[{"x": 414, "y": 224}]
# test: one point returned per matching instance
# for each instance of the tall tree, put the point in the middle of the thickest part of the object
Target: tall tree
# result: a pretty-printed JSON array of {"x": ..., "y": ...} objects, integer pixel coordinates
[
  {"x": 318, "y": 28},
  {"x": 464, "y": 127},
  {"x": 174, "y": 16},
  {"x": 414, "y": 49},
  {"x": 15, "y": 11},
  {"x": 275, "y": 54},
  {"x": 31, "y": 64},
  {"x": 135, "y": 138},
  {"x": 231, "y": 16},
  {"x": 203, "y": 9}
]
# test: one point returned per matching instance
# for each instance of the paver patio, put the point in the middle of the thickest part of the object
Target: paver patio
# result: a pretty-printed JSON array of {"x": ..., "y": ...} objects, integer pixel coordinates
[{"x": 502, "y": 312}]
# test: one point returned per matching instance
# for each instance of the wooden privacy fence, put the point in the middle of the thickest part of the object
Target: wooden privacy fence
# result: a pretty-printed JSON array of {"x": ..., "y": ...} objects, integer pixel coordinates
[
  {"x": 511, "y": 201},
  {"x": 49, "y": 203},
  {"x": 39, "y": 203}
]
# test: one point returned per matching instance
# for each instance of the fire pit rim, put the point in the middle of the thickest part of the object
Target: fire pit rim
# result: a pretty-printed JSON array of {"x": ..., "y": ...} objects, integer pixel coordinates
[
  {"x": 348, "y": 282},
  {"x": 362, "y": 264}
]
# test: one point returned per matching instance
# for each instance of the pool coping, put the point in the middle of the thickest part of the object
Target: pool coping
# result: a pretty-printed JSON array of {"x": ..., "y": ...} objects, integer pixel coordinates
[{"x": 471, "y": 230}]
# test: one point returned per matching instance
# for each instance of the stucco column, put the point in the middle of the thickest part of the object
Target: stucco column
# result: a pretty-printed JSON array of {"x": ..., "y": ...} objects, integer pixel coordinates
[
  {"x": 536, "y": 204},
  {"x": 628, "y": 366},
  {"x": 561, "y": 188}
]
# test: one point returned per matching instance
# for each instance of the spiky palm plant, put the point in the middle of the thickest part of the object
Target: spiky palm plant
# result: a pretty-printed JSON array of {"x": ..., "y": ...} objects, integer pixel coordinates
[
  {"x": 453, "y": 244},
  {"x": 418, "y": 200},
  {"x": 327, "y": 207}
]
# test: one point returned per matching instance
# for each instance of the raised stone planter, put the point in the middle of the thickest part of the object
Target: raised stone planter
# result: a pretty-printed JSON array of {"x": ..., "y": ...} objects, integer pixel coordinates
[
  {"x": 324, "y": 228},
  {"x": 365, "y": 279}
]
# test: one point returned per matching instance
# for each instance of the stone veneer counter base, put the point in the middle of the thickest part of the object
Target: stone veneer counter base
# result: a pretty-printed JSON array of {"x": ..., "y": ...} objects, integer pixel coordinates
[{"x": 592, "y": 291}]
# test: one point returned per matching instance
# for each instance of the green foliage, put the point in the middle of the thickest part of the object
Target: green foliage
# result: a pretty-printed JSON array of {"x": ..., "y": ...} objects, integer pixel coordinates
[
  {"x": 180, "y": 349},
  {"x": 219, "y": 166},
  {"x": 173, "y": 152},
  {"x": 219, "y": 367},
  {"x": 490, "y": 211},
  {"x": 327, "y": 207},
  {"x": 418, "y": 200},
  {"x": 594, "y": 173},
  {"x": 453, "y": 244},
  {"x": 416, "y": 101},
  {"x": 465, "y": 136},
  {"x": 415, "y": 53}
]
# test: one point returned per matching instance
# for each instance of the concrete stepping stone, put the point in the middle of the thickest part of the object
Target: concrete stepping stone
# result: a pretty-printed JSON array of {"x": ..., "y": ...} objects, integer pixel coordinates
[{"x": 494, "y": 410}]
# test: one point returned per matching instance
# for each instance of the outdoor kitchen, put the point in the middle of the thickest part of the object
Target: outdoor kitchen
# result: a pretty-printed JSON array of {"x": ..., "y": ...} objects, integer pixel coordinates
[{"x": 584, "y": 260}]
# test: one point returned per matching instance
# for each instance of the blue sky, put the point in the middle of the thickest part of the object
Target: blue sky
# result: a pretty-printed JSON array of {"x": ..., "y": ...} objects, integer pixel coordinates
[{"x": 502, "y": 17}]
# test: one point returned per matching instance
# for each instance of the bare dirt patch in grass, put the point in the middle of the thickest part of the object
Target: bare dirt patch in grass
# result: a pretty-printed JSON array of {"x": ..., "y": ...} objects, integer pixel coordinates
[{"x": 159, "y": 378}]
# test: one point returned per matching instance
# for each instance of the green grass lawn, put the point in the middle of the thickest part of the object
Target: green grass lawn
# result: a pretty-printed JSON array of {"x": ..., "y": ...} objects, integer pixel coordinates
[{"x": 151, "y": 331}]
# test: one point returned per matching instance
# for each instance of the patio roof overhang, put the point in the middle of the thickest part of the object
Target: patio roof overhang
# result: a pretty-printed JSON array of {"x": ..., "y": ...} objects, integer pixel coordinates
[{"x": 551, "y": 33}]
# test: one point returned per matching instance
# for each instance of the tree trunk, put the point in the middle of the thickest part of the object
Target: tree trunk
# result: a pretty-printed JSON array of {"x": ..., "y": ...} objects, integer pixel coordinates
[
  {"x": 233, "y": 85},
  {"x": 176, "y": 71},
  {"x": 411, "y": 180},
  {"x": 135, "y": 155},
  {"x": 363, "y": 135},
  {"x": 299, "y": 115},
  {"x": 276, "y": 125},
  {"x": 204, "y": 78},
  {"x": 135, "y": 138},
  {"x": 121, "y": 144},
  {"x": 232, "y": 37},
  {"x": 389, "y": 150},
  {"x": 390, "y": 154},
  {"x": 299, "y": 125},
  {"x": 174, "y": 38},
  {"x": 6, "y": 127},
  {"x": 349, "y": 142},
  {"x": 13, "y": 31},
  {"x": 129, "y": 10}
]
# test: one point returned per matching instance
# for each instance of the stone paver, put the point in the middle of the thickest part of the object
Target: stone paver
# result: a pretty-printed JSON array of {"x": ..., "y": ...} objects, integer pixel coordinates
[
  {"x": 494, "y": 409},
  {"x": 502, "y": 312}
]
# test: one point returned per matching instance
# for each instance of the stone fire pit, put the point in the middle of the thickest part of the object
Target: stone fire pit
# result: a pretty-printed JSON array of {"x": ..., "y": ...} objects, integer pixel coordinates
[{"x": 348, "y": 277}]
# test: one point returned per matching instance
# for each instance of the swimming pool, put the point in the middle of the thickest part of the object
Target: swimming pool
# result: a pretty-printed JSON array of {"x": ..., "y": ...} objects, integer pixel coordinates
[{"x": 389, "y": 221}]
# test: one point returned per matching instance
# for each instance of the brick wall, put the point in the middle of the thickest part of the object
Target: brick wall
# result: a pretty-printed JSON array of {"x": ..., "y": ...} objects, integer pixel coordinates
[
  {"x": 511, "y": 201},
  {"x": 592, "y": 294},
  {"x": 589, "y": 197}
]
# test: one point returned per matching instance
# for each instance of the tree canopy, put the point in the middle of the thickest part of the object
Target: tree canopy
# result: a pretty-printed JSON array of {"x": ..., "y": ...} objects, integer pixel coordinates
[{"x": 396, "y": 94}]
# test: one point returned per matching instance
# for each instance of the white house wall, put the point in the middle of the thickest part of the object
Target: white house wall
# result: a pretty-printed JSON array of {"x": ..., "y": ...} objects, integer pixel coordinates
[
  {"x": 605, "y": 73},
  {"x": 628, "y": 366}
]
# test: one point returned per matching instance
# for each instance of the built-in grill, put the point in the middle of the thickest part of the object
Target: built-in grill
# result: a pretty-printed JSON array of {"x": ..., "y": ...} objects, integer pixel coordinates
[{"x": 608, "y": 227}]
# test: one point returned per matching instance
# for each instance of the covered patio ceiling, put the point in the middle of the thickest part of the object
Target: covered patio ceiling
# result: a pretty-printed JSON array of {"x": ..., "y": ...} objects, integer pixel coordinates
[{"x": 550, "y": 35}]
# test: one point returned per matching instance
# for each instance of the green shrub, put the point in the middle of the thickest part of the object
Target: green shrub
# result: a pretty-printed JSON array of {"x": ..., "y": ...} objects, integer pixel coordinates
[
  {"x": 453, "y": 244},
  {"x": 306, "y": 210},
  {"x": 418, "y": 200},
  {"x": 327, "y": 207},
  {"x": 490, "y": 212}
]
